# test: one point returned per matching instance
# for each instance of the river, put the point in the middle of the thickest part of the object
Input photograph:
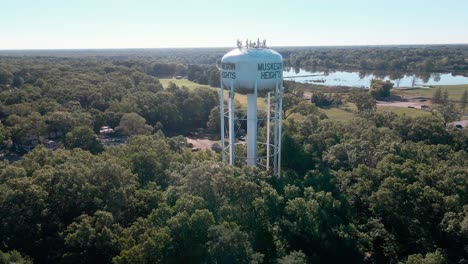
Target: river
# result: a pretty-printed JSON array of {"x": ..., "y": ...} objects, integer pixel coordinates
[{"x": 362, "y": 79}]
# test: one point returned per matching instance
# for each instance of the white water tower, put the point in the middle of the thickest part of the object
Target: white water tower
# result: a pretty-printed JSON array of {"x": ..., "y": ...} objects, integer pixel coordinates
[{"x": 252, "y": 69}]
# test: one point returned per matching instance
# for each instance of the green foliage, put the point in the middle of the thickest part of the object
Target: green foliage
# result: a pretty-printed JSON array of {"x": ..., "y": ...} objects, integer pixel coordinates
[
  {"x": 6, "y": 77},
  {"x": 379, "y": 89},
  {"x": 364, "y": 102},
  {"x": 444, "y": 109},
  {"x": 91, "y": 239},
  {"x": 429, "y": 258},
  {"x": 228, "y": 244},
  {"x": 13, "y": 257},
  {"x": 304, "y": 108},
  {"x": 325, "y": 100},
  {"x": 23, "y": 207},
  {"x": 426, "y": 129},
  {"x": 213, "y": 123},
  {"x": 133, "y": 124},
  {"x": 290, "y": 100},
  {"x": 380, "y": 189},
  {"x": 464, "y": 101},
  {"x": 295, "y": 257},
  {"x": 437, "y": 96},
  {"x": 5, "y": 141},
  {"x": 83, "y": 137}
]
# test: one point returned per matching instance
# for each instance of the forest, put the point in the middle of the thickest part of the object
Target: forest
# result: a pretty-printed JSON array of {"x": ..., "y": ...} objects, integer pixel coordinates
[
  {"x": 396, "y": 58},
  {"x": 377, "y": 188}
]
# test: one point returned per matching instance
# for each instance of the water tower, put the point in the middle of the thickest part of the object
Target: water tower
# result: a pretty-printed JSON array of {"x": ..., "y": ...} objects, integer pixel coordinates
[{"x": 252, "y": 70}]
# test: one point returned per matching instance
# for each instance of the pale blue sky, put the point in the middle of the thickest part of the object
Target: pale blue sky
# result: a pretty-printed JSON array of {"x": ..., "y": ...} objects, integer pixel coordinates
[{"x": 49, "y": 24}]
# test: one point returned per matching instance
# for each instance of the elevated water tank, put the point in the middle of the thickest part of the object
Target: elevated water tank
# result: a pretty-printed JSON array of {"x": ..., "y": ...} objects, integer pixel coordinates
[{"x": 244, "y": 66}]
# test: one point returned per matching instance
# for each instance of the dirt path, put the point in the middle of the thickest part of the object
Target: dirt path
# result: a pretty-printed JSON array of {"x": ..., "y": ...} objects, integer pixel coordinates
[
  {"x": 463, "y": 123},
  {"x": 405, "y": 104},
  {"x": 202, "y": 143}
]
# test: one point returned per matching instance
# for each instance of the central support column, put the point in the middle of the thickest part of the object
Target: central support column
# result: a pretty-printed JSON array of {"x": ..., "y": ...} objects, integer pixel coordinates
[
  {"x": 252, "y": 129},
  {"x": 232, "y": 137}
]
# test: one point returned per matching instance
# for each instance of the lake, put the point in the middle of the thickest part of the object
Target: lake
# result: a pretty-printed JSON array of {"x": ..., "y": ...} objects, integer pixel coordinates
[{"x": 362, "y": 79}]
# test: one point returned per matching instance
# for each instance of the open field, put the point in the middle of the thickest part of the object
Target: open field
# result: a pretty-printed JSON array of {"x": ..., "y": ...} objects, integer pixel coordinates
[
  {"x": 182, "y": 82},
  {"x": 413, "y": 112},
  {"x": 340, "y": 114},
  {"x": 455, "y": 91},
  {"x": 397, "y": 107},
  {"x": 348, "y": 110},
  {"x": 241, "y": 98}
]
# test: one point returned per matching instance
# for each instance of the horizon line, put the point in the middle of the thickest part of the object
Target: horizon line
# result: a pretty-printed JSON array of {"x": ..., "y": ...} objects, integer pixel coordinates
[{"x": 209, "y": 47}]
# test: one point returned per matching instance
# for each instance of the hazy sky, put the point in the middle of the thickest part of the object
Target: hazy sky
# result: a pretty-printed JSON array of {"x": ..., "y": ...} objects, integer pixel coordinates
[{"x": 49, "y": 24}]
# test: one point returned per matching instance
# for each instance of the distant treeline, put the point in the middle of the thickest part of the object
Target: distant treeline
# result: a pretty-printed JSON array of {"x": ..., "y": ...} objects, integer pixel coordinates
[
  {"x": 202, "y": 74},
  {"x": 409, "y": 58},
  {"x": 443, "y": 58}
]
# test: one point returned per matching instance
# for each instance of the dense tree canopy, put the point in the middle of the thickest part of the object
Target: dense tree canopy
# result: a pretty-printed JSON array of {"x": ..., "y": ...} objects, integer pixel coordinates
[{"x": 378, "y": 188}]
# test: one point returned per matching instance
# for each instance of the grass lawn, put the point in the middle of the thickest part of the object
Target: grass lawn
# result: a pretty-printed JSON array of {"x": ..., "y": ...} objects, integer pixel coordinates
[
  {"x": 241, "y": 98},
  {"x": 343, "y": 113},
  {"x": 455, "y": 91},
  {"x": 338, "y": 114},
  {"x": 401, "y": 110},
  {"x": 348, "y": 112},
  {"x": 182, "y": 82}
]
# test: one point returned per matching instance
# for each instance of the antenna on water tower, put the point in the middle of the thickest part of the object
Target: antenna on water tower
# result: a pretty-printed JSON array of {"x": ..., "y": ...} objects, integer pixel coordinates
[{"x": 252, "y": 70}]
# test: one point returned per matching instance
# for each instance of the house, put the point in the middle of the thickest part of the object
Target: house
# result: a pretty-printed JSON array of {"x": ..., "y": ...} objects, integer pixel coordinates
[{"x": 106, "y": 130}]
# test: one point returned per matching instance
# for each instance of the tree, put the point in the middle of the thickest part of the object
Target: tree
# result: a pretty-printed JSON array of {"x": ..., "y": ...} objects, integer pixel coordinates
[
  {"x": 5, "y": 141},
  {"x": 429, "y": 258},
  {"x": 295, "y": 257},
  {"x": 18, "y": 81},
  {"x": 317, "y": 220},
  {"x": 228, "y": 244},
  {"x": 13, "y": 257},
  {"x": 127, "y": 104},
  {"x": 189, "y": 234},
  {"x": 289, "y": 101},
  {"x": 437, "y": 96},
  {"x": 152, "y": 245},
  {"x": 425, "y": 129},
  {"x": 445, "y": 110},
  {"x": 91, "y": 239},
  {"x": 6, "y": 77},
  {"x": 133, "y": 124},
  {"x": 323, "y": 100},
  {"x": 213, "y": 123},
  {"x": 164, "y": 108},
  {"x": 304, "y": 108},
  {"x": 380, "y": 89},
  {"x": 364, "y": 102},
  {"x": 464, "y": 101},
  {"x": 83, "y": 137},
  {"x": 22, "y": 213},
  {"x": 61, "y": 122}
]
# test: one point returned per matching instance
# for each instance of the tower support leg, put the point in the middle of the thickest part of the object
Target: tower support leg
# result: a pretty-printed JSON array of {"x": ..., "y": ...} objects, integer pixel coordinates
[
  {"x": 232, "y": 139},
  {"x": 251, "y": 129},
  {"x": 268, "y": 134},
  {"x": 221, "y": 120}
]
